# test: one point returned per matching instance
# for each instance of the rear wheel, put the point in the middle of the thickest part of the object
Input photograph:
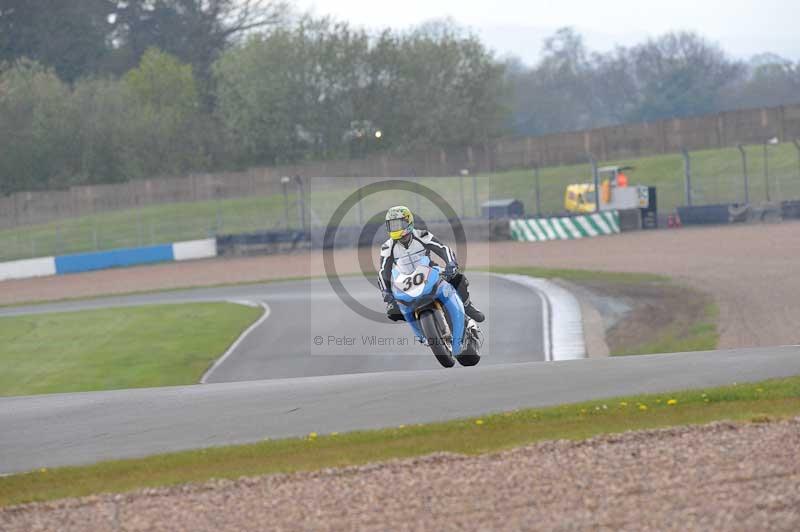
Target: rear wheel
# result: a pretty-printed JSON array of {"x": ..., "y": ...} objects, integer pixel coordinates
[{"x": 441, "y": 347}]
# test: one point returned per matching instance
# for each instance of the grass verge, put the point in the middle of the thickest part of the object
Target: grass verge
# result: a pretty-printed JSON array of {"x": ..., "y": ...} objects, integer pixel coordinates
[
  {"x": 664, "y": 317},
  {"x": 133, "y": 347},
  {"x": 756, "y": 402},
  {"x": 715, "y": 180},
  {"x": 176, "y": 289},
  {"x": 680, "y": 335},
  {"x": 582, "y": 275}
]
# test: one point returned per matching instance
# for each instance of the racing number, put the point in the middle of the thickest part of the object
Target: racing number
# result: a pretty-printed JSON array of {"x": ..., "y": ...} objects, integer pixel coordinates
[{"x": 416, "y": 281}]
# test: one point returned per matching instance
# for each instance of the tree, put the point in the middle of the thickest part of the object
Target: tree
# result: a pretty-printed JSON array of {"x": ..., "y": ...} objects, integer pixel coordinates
[
  {"x": 195, "y": 31},
  {"x": 254, "y": 94},
  {"x": 301, "y": 91},
  {"x": 164, "y": 118},
  {"x": 39, "y": 148},
  {"x": 681, "y": 74},
  {"x": 614, "y": 88},
  {"x": 772, "y": 80},
  {"x": 447, "y": 90},
  {"x": 71, "y": 37},
  {"x": 555, "y": 95}
]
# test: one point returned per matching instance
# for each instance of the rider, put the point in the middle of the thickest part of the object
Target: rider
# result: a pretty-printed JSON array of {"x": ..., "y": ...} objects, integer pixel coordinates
[{"x": 405, "y": 240}]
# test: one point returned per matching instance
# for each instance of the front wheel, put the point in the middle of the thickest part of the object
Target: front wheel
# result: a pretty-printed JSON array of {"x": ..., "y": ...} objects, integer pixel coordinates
[{"x": 441, "y": 347}]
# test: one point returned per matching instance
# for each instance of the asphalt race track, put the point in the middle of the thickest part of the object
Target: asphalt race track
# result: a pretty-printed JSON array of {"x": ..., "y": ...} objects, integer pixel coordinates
[
  {"x": 53, "y": 430},
  {"x": 383, "y": 385},
  {"x": 284, "y": 345}
]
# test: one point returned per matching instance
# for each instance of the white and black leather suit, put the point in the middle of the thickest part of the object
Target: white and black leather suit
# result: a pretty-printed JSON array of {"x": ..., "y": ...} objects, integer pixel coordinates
[{"x": 421, "y": 243}]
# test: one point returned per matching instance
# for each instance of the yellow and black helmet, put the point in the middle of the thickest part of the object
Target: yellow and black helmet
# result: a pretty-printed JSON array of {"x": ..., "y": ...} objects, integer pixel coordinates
[{"x": 399, "y": 222}]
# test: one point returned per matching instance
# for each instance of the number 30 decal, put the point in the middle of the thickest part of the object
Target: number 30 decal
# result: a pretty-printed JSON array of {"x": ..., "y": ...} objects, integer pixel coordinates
[{"x": 416, "y": 281}]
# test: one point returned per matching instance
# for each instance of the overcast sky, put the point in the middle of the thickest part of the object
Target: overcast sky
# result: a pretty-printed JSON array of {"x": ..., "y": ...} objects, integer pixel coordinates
[{"x": 742, "y": 27}]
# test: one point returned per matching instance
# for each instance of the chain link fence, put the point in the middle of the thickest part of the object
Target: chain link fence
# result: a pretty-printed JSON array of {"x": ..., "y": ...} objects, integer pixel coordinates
[{"x": 754, "y": 173}]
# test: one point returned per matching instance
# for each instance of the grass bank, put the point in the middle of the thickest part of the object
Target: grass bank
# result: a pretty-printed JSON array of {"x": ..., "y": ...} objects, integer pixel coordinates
[
  {"x": 757, "y": 402},
  {"x": 716, "y": 179},
  {"x": 154, "y": 345},
  {"x": 663, "y": 316}
]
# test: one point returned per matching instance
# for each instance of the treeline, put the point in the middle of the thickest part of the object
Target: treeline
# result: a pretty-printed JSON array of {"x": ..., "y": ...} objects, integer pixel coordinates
[
  {"x": 291, "y": 89},
  {"x": 676, "y": 75},
  {"x": 104, "y": 91}
]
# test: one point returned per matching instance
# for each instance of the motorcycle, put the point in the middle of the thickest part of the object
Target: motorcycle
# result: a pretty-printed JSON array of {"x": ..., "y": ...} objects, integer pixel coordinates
[{"x": 435, "y": 312}]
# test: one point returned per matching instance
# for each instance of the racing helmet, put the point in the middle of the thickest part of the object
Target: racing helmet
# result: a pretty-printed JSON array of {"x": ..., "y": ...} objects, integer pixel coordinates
[{"x": 399, "y": 222}]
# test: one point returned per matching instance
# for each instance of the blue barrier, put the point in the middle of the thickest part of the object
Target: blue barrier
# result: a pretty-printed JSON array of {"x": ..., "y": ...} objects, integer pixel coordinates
[{"x": 101, "y": 260}]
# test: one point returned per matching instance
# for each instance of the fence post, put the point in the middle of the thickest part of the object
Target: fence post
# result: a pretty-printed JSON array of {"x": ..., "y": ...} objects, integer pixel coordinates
[
  {"x": 537, "y": 189},
  {"x": 461, "y": 191},
  {"x": 285, "y": 186},
  {"x": 687, "y": 174},
  {"x": 475, "y": 195},
  {"x": 744, "y": 173},
  {"x": 301, "y": 198},
  {"x": 418, "y": 194},
  {"x": 360, "y": 204},
  {"x": 766, "y": 170},
  {"x": 218, "y": 194},
  {"x": 767, "y": 142},
  {"x": 596, "y": 180},
  {"x": 797, "y": 145},
  {"x": 60, "y": 239},
  {"x": 140, "y": 228}
]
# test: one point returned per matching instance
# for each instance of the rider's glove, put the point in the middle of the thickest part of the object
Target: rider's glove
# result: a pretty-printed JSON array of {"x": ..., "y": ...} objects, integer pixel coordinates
[
  {"x": 393, "y": 312},
  {"x": 450, "y": 271}
]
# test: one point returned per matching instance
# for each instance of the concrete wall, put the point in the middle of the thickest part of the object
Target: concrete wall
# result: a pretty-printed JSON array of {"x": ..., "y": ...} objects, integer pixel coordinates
[{"x": 751, "y": 126}]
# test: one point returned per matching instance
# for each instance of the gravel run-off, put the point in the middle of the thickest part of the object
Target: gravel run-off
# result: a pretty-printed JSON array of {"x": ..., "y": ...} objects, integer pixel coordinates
[{"x": 720, "y": 476}]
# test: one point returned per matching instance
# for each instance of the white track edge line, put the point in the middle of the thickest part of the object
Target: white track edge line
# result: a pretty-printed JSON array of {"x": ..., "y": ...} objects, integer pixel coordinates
[
  {"x": 232, "y": 348},
  {"x": 565, "y": 327},
  {"x": 547, "y": 326}
]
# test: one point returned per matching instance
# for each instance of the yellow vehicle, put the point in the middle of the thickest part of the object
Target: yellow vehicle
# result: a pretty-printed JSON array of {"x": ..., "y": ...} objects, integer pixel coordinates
[{"x": 580, "y": 198}]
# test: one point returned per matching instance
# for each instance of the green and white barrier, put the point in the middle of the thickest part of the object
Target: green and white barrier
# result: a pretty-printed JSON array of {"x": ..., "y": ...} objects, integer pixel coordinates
[{"x": 565, "y": 228}]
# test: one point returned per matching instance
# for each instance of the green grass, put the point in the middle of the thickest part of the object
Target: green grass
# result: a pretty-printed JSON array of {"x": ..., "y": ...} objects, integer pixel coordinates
[
  {"x": 676, "y": 336},
  {"x": 745, "y": 402},
  {"x": 716, "y": 178},
  {"x": 159, "y": 345},
  {"x": 701, "y": 336},
  {"x": 155, "y": 224},
  {"x": 582, "y": 275}
]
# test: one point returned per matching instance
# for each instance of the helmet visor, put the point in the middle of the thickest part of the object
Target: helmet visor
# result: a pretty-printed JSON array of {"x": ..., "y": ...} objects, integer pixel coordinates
[{"x": 399, "y": 224}]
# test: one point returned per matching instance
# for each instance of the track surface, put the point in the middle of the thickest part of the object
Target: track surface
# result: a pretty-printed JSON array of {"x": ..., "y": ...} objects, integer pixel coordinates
[
  {"x": 378, "y": 387},
  {"x": 283, "y": 346},
  {"x": 54, "y": 430}
]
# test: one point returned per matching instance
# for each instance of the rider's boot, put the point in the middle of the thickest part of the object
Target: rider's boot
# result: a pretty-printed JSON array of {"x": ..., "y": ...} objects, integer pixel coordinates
[
  {"x": 461, "y": 283},
  {"x": 473, "y": 312}
]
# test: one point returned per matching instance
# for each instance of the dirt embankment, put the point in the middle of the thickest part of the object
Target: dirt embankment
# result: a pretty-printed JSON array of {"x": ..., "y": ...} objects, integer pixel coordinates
[
  {"x": 717, "y": 477},
  {"x": 642, "y": 317},
  {"x": 752, "y": 271}
]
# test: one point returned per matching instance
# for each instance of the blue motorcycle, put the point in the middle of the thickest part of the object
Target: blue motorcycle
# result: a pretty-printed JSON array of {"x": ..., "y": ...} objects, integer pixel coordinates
[{"x": 435, "y": 312}]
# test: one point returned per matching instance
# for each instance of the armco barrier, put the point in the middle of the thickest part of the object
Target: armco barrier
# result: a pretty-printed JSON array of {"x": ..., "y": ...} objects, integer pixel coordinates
[
  {"x": 790, "y": 210},
  {"x": 23, "y": 269},
  {"x": 117, "y": 258},
  {"x": 195, "y": 249},
  {"x": 101, "y": 260},
  {"x": 565, "y": 228},
  {"x": 705, "y": 214}
]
